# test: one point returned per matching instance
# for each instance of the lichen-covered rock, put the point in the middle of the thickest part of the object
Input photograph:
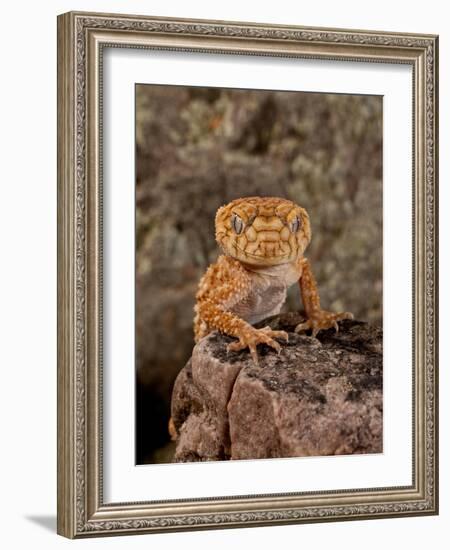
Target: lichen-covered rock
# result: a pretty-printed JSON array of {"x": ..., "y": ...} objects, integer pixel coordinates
[{"x": 318, "y": 397}]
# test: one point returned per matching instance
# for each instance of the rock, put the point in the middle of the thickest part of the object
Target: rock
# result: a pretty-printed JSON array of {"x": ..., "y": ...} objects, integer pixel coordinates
[{"x": 318, "y": 397}]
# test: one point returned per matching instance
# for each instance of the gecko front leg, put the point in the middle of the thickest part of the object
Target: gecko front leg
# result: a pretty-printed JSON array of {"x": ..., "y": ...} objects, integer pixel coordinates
[
  {"x": 248, "y": 336},
  {"x": 225, "y": 285},
  {"x": 318, "y": 319}
]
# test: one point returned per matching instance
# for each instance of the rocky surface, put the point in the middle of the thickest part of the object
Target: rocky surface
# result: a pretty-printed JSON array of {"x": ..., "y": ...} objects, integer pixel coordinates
[{"x": 318, "y": 397}]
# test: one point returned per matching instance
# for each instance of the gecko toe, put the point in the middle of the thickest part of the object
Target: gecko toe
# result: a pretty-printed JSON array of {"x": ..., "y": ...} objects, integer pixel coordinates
[
  {"x": 254, "y": 354},
  {"x": 235, "y": 346},
  {"x": 345, "y": 315},
  {"x": 303, "y": 326},
  {"x": 274, "y": 344}
]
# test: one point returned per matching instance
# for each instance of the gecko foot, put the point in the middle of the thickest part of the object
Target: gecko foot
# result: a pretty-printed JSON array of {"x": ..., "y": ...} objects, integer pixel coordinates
[
  {"x": 322, "y": 320},
  {"x": 250, "y": 338}
]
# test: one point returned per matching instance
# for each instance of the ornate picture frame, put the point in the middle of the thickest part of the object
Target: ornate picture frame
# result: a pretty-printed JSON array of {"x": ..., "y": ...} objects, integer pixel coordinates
[{"x": 82, "y": 38}]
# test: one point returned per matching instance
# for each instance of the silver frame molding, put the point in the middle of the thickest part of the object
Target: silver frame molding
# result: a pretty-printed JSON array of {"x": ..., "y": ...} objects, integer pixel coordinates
[{"x": 81, "y": 39}]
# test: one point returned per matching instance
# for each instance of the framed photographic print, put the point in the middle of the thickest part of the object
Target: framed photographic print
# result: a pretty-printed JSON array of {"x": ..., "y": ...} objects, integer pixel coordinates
[{"x": 247, "y": 289}]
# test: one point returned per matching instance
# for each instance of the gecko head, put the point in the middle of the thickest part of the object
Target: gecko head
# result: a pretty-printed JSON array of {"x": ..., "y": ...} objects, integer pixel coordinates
[{"x": 263, "y": 231}]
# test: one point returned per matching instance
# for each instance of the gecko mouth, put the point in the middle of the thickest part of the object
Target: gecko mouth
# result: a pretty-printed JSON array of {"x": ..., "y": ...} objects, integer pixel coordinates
[{"x": 262, "y": 256}]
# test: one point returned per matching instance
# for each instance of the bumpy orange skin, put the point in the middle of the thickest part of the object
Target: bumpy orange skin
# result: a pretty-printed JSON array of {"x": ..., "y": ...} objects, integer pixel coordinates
[{"x": 263, "y": 240}]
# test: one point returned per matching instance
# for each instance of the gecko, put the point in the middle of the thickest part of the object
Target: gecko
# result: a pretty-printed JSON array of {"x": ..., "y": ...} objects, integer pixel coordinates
[{"x": 263, "y": 241}]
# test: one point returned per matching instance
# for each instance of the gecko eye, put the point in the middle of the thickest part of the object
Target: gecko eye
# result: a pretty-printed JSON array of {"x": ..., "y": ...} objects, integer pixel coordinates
[
  {"x": 237, "y": 224},
  {"x": 294, "y": 225}
]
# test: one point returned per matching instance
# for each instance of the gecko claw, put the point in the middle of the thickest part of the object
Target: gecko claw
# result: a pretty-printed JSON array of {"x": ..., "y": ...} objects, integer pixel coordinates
[
  {"x": 254, "y": 355},
  {"x": 322, "y": 320},
  {"x": 303, "y": 326}
]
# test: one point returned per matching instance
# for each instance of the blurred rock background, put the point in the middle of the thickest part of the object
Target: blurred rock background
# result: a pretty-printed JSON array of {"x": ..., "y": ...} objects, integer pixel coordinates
[{"x": 199, "y": 148}]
